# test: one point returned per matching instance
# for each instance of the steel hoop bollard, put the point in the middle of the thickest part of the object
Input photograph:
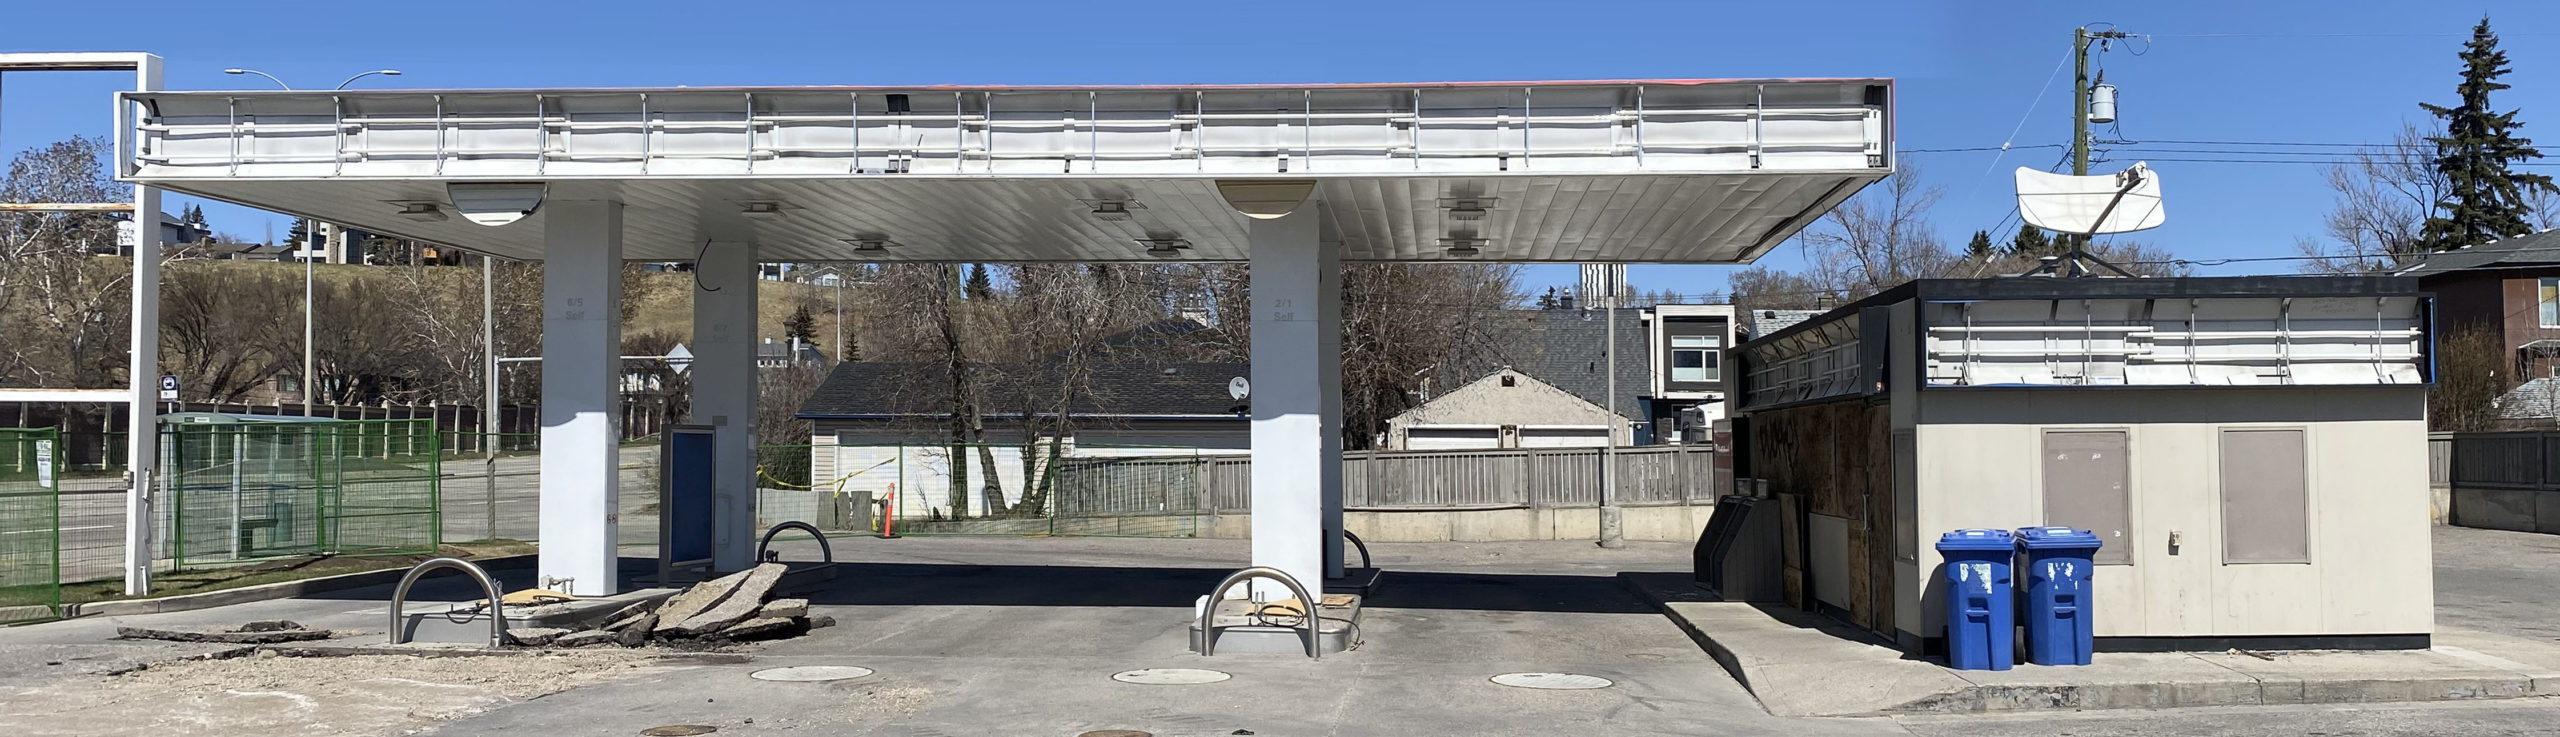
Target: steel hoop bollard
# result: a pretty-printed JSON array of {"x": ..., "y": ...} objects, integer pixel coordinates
[
  {"x": 1209, "y": 636},
  {"x": 497, "y": 610},
  {"x": 1364, "y": 547},
  {"x": 823, "y": 548}
]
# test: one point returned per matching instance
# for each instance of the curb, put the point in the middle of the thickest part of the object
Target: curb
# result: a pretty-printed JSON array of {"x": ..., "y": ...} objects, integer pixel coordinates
[
  {"x": 2498, "y": 679},
  {"x": 262, "y": 592}
]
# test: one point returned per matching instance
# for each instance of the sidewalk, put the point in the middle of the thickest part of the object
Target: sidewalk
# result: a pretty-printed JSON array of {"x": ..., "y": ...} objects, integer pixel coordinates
[{"x": 1800, "y": 664}]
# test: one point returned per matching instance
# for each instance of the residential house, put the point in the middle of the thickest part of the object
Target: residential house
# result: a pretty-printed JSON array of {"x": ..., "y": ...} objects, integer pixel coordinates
[
  {"x": 1506, "y": 409},
  {"x": 2511, "y": 287},
  {"x": 884, "y": 429}
]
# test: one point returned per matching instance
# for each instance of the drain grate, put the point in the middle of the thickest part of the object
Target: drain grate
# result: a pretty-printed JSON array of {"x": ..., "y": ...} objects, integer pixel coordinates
[
  {"x": 1169, "y": 676},
  {"x": 1553, "y": 681},
  {"x": 811, "y": 673}
]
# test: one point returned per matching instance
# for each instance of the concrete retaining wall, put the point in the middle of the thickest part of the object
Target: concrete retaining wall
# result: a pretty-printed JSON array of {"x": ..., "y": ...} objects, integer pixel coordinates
[{"x": 1680, "y": 524}]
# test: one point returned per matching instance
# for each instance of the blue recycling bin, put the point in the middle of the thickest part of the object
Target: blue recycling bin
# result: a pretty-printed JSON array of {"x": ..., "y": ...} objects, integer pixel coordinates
[
  {"x": 1981, "y": 629},
  {"x": 2058, "y": 561}
]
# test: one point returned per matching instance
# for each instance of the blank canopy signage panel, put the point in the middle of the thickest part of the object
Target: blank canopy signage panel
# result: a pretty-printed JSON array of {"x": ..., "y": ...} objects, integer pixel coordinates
[{"x": 1662, "y": 170}]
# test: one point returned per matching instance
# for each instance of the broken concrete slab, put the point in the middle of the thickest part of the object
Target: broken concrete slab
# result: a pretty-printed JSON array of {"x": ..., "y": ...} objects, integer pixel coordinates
[
  {"x": 637, "y": 633},
  {"x": 784, "y": 609},
  {"x": 741, "y": 603},
  {"x": 535, "y": 636},
  {"x": 693, "y": 600},
  {"x": 761, "y": 628},
  {"x": 589, "y": 638},
  {"x": 632, "y": 613},
  {"x": 239, "y": 638},
  {"x": 821, "y": 621},
  {"x": 272, "y": 625}
]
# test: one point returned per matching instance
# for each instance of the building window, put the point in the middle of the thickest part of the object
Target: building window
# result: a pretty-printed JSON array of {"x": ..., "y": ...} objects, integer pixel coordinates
[
  {"x": 1693, "y": 357},
  {"x": 2549, "y": 295}
]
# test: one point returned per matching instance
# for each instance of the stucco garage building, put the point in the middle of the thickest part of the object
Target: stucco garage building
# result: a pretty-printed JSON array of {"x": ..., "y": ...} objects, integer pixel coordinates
[{"x": 2251, "y": 449}]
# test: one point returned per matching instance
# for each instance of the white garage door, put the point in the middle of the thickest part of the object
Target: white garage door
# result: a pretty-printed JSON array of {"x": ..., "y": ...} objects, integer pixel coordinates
[
  {"x": 1564, "y": 437},
  {"x": 1425, "y": 437}
]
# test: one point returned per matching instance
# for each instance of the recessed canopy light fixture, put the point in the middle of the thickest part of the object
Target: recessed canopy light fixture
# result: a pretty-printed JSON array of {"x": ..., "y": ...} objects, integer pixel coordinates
[
  {"x": 1114, "y": 209},
  {"x": 762, "y": 210},
  {"x": 870, "y": 244},
  {"x": 424, "y": 212},
  {"x": 1164, "y": 246},
  {"x": 1467, "y": 208},
  {"x": 1463, "y": 246}
]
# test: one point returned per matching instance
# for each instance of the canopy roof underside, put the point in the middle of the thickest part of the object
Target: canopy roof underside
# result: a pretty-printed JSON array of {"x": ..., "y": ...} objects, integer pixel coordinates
[{"x": 1665, "y": 171}]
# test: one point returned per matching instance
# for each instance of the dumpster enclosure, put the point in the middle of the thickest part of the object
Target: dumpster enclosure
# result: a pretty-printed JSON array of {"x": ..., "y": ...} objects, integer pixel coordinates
[{"x": 2251, "y": 451}]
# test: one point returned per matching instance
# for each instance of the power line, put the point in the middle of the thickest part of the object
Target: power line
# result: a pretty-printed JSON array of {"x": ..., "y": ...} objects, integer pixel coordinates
[{"x": 1978, "y": 148}]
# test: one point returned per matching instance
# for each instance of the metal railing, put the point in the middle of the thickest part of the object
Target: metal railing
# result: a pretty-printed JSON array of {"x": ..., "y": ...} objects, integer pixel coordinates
[
  {"x": 1209, "y": 632},
  {"x": 497, "y": 610},
  {"x": 1721, "y": 126}
]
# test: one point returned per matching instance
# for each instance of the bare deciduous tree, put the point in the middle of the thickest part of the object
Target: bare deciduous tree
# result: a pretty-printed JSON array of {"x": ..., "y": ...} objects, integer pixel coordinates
[
  {"x": 62, "y": 309},
  {"x": 2380, "y": 201},
  {"x": 2472, "y": 371}
]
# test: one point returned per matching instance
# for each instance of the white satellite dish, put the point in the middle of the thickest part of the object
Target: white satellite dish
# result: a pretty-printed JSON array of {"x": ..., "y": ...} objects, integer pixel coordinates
[
  {"x": 2122, "y": 202},
  {"x": 1239, "y": 388}
]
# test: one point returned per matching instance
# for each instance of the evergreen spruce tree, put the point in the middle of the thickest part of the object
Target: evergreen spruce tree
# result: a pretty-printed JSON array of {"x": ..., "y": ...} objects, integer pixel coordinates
[
  {"x": 1980, "y": 247},
  {"x": 2031, "y": 241},
  {"x": 1547, "y": 300},
  {"x": 2484, "y": 200},
  {"x": 801, "y": 325},
  {"x": 980, "y": 288}
]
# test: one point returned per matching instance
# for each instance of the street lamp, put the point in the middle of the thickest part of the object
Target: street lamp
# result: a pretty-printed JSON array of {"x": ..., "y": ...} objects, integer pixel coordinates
[
  {"x": 308, "y": 358},
  {"x": 383, "y": 72}
]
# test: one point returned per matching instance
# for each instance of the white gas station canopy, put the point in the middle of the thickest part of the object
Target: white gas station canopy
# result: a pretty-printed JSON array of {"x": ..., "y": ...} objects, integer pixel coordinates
[{"x": 1683, "y": 171}]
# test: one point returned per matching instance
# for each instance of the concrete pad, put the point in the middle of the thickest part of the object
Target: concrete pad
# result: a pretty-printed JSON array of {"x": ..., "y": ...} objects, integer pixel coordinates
[
  {"x": 2330, "y": 676},
  {"x": 2113, "y": 681},
  {"x": 1802, "y": 664}
]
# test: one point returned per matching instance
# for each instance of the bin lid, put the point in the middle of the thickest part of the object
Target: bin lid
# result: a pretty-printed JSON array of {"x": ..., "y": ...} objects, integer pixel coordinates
[
  {"x": 2039, "y": 538},
  {"x": 1974, "y": 540}
]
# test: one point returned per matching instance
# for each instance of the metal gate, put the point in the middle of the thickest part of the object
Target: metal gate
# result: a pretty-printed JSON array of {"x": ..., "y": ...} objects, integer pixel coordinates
[{"x": 30, "y": 524}]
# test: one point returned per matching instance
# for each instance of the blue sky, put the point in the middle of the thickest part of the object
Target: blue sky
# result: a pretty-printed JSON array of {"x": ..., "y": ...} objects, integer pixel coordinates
[{"x": 2298, "y": 71}]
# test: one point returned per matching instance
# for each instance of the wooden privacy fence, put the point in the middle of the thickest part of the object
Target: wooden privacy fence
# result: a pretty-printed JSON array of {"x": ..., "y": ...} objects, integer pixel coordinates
[
  {"x": 1490, "y": 479},
  {"x": 2499, "y": 480}
]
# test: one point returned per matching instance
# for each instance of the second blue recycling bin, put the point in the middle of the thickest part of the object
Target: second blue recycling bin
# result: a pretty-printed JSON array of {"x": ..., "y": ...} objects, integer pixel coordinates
[
  {"x": 1981, "y": 634},
  {"x": 2057, "y": 563}
]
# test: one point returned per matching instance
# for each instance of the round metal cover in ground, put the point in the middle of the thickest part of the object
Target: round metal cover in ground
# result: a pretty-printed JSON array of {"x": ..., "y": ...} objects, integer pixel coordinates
[
  {"x": 1170, "y": 676},
  {"x": 1553, "y": 681},
  {"x": 811, "y": 673},
  {"x": 679, "y": 730}
]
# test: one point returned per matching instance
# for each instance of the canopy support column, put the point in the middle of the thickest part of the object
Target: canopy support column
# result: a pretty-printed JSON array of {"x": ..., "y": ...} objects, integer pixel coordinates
[
  {"x": 581, "y": 395},
  {"x": 724, "y": 393},
  {"x": 1297, "y": 398}
]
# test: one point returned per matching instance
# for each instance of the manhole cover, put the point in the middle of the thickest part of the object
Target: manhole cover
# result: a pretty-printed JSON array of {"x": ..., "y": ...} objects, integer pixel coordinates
[
  {"x": 811, "y": 673},
  {"x": 1552, "y": 681},
  {"x": 1116, "y": 733},
  {"x": 1169, "y": 676},
  {"x": 679, "y": 730}
]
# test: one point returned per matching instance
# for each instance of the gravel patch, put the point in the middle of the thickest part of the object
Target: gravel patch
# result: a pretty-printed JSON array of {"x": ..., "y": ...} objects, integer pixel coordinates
[{"x": 291, "y": 696}]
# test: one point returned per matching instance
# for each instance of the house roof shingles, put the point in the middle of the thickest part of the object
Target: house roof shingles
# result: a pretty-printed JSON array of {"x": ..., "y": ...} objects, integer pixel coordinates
[
  {"x": 1562, "y": 348},
  {"x": 2524, "y": 251},
  {"x": 1115, "y": 389}
]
